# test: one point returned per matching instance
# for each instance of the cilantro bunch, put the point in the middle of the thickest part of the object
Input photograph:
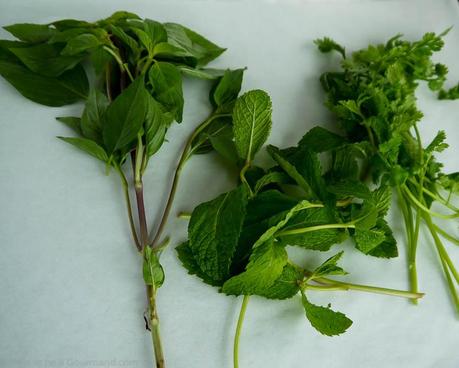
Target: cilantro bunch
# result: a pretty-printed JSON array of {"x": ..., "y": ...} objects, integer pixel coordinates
[
  {"x": 238, "y": 241},
  {"x": 128, "y": 72},
  {"x": 373, "y": 99}
]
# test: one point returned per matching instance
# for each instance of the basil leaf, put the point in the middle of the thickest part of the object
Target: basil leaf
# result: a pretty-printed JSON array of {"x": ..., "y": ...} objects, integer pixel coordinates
[
  {"x": 72, "y": 122},
  {"x": 228, "y": 87},
  {"x": 87, "y": 146},
  {"x": 91, "y": 120},
  {"x": 33, "y": 33},
  {"x": 125, "y": 116},
  {"x": 166, "y": 83},
  {"x": 68, "y": 88},
  {"x": 81, "y": 43},
  {"x": 156, "y": 123}
]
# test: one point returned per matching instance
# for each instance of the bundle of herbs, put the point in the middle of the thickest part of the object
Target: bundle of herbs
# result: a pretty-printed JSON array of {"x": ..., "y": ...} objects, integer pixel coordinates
[
  {"x": 373, "y": 99},
  {"x": 128, "y": 71},
  {"x": 237, "y": 241}
]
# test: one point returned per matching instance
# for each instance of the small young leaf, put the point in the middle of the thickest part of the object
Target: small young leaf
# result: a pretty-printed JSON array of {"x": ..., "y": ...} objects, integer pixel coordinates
[
  {"x": 125, "y": 116},
  {"x": 252, "y": 122},
  {"x": 325, "y": 320},
  {"x": 153, "y": 273},
  {"x": 88, "y": 146},
  {"x": 329, "y": 267},
  {"x": 214, "y": 230},
  {"x": 166, "y": 82}
]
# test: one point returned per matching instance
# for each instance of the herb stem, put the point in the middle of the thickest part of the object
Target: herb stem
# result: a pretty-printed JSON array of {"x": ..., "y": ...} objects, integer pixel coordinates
[
  {"x": 154, "y": 327},
  {"x": 237, "y": 336},
  {"x": 437, "y": 197},
  {"x": 308, "y": 229},
  {"x": 422, "y": 207},
  {"x": 446, "y": 235},
  {"x": 339, "y": 285},
  {"x": 183, "y": 159},
  {"x": 124, "y": 182},
  {"x": 243, "y": 179}
]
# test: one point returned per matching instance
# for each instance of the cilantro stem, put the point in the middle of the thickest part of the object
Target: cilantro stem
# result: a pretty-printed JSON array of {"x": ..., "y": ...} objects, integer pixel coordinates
[
  {"x": 446, "y": 235},
  {"x": 186, "y": 154},
  {"x": 308, "y": 229},
  {"x": 436, "y": 197},
  {"x": 422, "y": 207},
  {"x": 237, "y": 336},
  {"x": 445, "y": 261}
]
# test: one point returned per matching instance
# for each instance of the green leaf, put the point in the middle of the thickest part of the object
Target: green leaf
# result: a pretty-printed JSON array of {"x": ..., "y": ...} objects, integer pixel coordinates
[
  {"x": 164, "y": 50},
  {"x": 252, "y": 122},
  {"x": 214, "y": 230},
  {"x": 130, "y": 42},
  {"x": 166, "y": 82},
  {"x": 196, "y": 45},
  {"x": 68, "y": 88},
  {"x": 289, "y": 168},
  {"x": 350, "y": 188},
  {"x": 228, "y": 87},
  {"x": 91, "y": 120},
  {"x": 319, "y": 139},
  {"x": 325, "y": 320},
  {"x": 329, "y": 267},
  {"x": 45, "y": 59},
  {"x": 65, "y": 24},
  {"x": 188, "y": 260},
  {"x": 33, "y": 33},
  {"x": 223, "y": 143},
  {"x": 368, "y": 239},
  {"x": 327, "y": 45},
  {"x": 438, "y": 143},
  {"x": 202, "y": 73},
  {"x": 155, "y": 31},
  {"x": 316, "y": 239},
  {"x": 273, "y": 177},
  {"x": 156, "y": 123},
  {"x": 125, "y": 116},
  {"x": 88, "y": 146},
  {"x": 388, "y": 247},
  {"x": 153, "y": 273},
  {"x": 72, "y": 122},
  {"x": 286, "y": 285},
  {"x": 265, "y": 266},
  {"x": 81, "y": 43}
]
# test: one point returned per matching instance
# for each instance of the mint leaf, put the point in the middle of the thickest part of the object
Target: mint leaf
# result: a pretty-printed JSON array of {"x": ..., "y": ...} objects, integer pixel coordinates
[
  {"x": 329, "y": 267},
  {"x": 125, "y": 116},
  {"x": 319, "y": 139},
  {"x": 88, "y": 146},
  {"x": 325, "y": 320},
  {"x": 265, "y": 266},
  {"x": 368, "y": 239},
  {"x": 388, "y": 247},
  {"x": 214, "y": 230},
  {"x": 252, "y": 122},
  {"x": 273, "y": 177},
  {"x": 286, "y": 285}
]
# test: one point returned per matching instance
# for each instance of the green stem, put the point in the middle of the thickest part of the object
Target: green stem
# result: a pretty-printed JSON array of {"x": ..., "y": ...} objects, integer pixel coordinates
[
  {"x": 339, "y": 285},
  {"x": 154, "y": 327},
  {"x": 183, "y": 159},
  {"x": 237, "y": 336},
  {"x": 123, "y": 66},
  {"x": 129, "y": 207},
  {"x": 446, "y": 235},
  {"x": 308, "y": 229},
  {"x": 436, "y": 197},
  {"x": 445, "y": 261},
  {"x": 243, "y": 179},
  {"x": 422, "y": 207}
]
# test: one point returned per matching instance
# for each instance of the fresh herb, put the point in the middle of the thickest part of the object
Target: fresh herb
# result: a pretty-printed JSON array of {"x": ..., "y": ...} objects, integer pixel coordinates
[
  {"x": 136, "y": 68},
  {"x": 373, "y": 98},
  {"x": 237, "y": 241}
]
